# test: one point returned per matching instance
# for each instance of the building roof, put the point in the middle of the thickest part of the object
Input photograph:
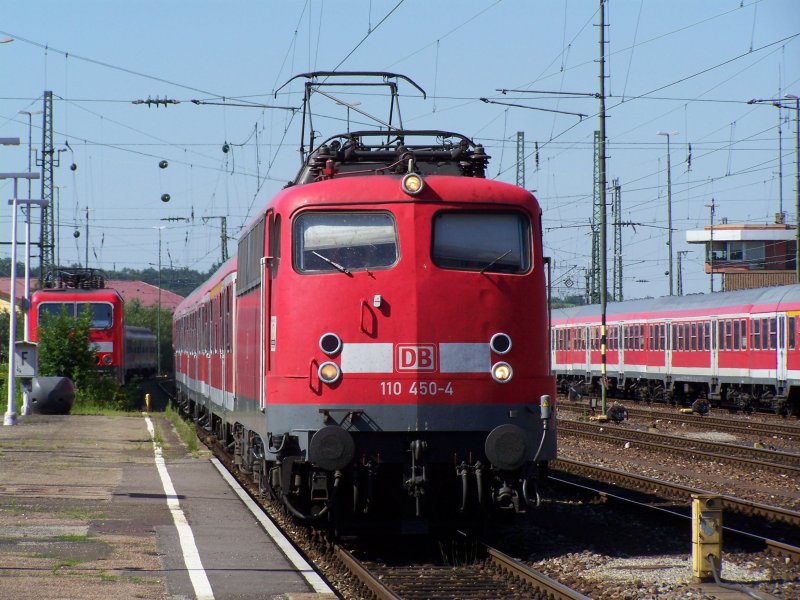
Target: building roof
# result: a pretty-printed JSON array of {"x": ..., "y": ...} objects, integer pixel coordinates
[
  {"x": 728, "y": 232},
  {"x": 144, "y": 292}
]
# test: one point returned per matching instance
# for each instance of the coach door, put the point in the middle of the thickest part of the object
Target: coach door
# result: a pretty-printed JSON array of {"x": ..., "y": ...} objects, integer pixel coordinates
[
  {"x": 714, "y": 351},
  {"x": 781, "y": 351}
]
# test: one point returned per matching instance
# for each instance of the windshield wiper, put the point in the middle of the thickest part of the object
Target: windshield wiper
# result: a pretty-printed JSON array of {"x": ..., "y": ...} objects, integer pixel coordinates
[
  {"x": 495, "y": 261},
  {"x": 336, "y": 265}
]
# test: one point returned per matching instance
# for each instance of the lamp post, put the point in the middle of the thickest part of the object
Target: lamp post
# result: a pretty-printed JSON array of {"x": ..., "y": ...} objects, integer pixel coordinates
[
  {"x": 669, "y": 206},
  {"x": 10, "y": 417},
  {"x": 158, "y": 314},
  {"x": 778, "y": 104},
  {"x": 28, "y": 220},
  {"x": 797, "y": 183}
]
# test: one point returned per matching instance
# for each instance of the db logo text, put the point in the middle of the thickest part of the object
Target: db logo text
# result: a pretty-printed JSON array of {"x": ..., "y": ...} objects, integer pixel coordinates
[{"x": 415, "y": 357}]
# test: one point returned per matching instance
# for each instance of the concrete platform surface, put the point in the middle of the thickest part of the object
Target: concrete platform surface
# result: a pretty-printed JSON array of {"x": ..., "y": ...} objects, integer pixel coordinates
[{"x": 84, "y": 515}]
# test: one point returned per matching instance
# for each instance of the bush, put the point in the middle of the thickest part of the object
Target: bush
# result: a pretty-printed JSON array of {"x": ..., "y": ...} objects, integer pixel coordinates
[{"x": 65, "y": 350}]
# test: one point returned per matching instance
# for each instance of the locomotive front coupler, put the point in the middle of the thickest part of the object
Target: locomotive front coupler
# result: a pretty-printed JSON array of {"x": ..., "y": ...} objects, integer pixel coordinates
[{"x": 417, "y": 482}]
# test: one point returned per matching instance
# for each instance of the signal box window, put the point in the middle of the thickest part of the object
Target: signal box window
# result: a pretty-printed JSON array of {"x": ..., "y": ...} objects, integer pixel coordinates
[
  {"x": 484, "y": 242},
  {"x": 326, "y": 242}
]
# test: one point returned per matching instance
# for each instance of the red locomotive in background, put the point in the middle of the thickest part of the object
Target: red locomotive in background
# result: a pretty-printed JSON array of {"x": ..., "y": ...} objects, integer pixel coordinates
[
  {"x": 122, "y": 351},
  {"x": 378, "y": 349}
]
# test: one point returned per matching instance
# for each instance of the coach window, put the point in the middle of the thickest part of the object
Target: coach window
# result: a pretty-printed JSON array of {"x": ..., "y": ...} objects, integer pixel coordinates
[
  {"x": 729, "y": 336},
  {"x": 694, "y": 336},
  {"x": 496, "y": 242},
  {"x": 736, "y": 335},
  {"x": 331, "y": 242},
  {"x": 756, "y": 333},
  {"x": 773, "y": 334}
]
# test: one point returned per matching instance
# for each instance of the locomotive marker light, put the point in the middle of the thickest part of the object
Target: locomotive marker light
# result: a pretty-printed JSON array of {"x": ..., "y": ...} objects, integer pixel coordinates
[
  {"x": 330, "y": 343},
  {"x": 502, "y": 372},
  {"x": 500, "y": 343},
  {"x": 413, "y": 184}
]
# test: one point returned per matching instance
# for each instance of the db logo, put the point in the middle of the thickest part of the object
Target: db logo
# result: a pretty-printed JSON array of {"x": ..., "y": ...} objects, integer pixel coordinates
[{"x": 415, "y": 358}]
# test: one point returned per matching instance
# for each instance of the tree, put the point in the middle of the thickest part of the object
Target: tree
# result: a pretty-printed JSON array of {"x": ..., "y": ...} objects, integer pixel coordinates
[
  {"x": 65, "y": 350},
  {"x": 64, "y": 346}
]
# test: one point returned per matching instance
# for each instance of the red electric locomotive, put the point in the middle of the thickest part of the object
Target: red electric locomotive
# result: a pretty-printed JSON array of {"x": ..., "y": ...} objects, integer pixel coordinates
[
  {"x": 738, "y": 350},
  {"x": 121, "y": 351},
  {"x": 379, "y": 348}
]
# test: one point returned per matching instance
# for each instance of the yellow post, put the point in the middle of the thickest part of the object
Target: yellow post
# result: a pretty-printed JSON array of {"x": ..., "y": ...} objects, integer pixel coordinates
[
  {"x": 147, "y": 402},
  {"x": 706, "y": 536}
]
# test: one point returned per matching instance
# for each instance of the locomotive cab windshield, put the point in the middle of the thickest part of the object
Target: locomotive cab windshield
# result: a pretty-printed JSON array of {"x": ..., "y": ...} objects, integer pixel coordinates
[{"x": 344, "y": 241}]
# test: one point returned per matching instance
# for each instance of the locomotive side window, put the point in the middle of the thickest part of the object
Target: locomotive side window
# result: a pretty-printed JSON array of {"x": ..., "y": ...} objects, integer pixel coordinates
[
  {"x": 484, "y": 242},
  {"x": 327, "y": 242}
]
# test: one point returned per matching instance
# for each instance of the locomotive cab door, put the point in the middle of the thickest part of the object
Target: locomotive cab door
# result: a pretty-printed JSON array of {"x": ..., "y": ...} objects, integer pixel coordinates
[{"x": 268, "y": 326}]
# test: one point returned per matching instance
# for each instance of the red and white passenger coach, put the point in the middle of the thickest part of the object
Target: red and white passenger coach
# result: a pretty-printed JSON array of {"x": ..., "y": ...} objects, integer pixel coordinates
[
  {"x": 379, "y": 346},
  {"x": 739, "y": 349}
]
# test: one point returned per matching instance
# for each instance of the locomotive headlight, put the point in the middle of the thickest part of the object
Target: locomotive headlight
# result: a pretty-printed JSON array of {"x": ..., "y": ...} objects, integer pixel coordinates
[
  {"x": 502, "y": 372},
  {"x": 412, "y": 184},
  {"x": 107, "y": 359},
  {"x": 329, "y": 372}
]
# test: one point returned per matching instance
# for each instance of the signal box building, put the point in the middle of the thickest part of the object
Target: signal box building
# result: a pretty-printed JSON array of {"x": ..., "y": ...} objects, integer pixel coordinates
[{"x": 749, "y": 256}]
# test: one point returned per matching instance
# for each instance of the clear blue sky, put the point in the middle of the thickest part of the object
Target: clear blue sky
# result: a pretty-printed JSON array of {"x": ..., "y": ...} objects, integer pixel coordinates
[{"x": 678, "y": 65}]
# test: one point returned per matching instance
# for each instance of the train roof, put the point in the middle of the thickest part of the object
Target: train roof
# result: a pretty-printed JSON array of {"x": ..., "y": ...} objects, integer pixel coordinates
[
  {"x": 223, "y": 271},
  {"x": 686, "y": 305}
]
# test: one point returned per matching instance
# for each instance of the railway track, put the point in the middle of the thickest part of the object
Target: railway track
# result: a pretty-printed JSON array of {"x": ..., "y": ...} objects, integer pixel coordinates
[
  {"x": 773, "y": 546},
  {"x": 494, "y": 575},
  {"x": 673, "y": 491},
  {"x": 717, "y": 423},
  {"x": 742, "y": 456}
]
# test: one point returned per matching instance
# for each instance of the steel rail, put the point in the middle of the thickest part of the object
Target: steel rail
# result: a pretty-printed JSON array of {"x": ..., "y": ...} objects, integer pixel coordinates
[
  {"x": 659, "y": 442},
  {"x": 364, "y": 576},
  {"x": 541, "y": 582},
  {"x": 767, "y": 429},
  {"x": 773, "y": 546},
  {"x": 673, "y": 490}
]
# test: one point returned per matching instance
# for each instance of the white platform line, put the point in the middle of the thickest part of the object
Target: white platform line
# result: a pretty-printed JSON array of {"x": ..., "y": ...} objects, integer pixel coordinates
[
  {"x": 311, "y": 576},
  {"x": 197, "y": 574}
]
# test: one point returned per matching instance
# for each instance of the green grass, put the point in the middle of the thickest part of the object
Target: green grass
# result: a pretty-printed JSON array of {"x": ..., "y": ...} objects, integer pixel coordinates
[
  {"x": 67, "y": 562},
  {"x": 158, "y": 437},
  {"x": 83, "y": 514},
  {"x": 85, "y": 407},
  {"x": 185, "y": 430},
  {"x": 73, "y": 538}
]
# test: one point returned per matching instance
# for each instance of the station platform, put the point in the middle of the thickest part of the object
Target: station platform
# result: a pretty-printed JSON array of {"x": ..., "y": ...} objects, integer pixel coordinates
[{"x": 87, "y": 512}]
